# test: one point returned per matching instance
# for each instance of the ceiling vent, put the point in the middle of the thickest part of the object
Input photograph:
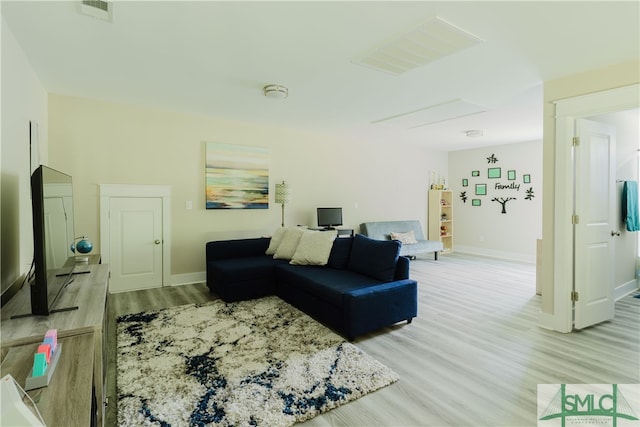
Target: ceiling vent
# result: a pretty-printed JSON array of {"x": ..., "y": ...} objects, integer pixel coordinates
[
  {"x": 97, "y": 9},
  {"x": 449, "y": 110},
  {"x": 432, "y": 40}
]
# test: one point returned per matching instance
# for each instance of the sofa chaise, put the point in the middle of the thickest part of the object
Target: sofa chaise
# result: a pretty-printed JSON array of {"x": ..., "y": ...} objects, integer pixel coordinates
[
  {"x": 362, "y": 286},
  {"x": 408, "y": 232}
]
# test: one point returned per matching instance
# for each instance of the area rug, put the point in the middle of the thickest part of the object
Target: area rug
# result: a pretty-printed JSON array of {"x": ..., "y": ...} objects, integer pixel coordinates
[{"x": 251, "y": 363}]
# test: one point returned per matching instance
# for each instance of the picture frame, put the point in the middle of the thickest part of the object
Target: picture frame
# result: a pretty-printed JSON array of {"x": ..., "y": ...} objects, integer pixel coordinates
[
  {"x": 494, "y": 173},
  {"x": 236, "y": 176},
  {"x": 481, "y": 189}
]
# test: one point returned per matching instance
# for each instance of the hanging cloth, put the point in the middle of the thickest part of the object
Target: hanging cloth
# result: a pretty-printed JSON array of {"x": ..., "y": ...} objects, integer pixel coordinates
[{"x": 630, "y": 205}]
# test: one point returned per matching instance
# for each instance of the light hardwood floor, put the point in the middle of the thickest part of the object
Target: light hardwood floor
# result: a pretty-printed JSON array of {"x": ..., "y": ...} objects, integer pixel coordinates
[{"x": 472, "y": 357}]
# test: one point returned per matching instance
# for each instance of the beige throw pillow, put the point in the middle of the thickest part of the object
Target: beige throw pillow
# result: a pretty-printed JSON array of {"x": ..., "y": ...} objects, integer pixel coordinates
[
  {"x": 314, "y": 248},
  {"x": 289, "y": 243},
  {"x": 407, "y": 238},
  {"x": 275, "y": 241}
]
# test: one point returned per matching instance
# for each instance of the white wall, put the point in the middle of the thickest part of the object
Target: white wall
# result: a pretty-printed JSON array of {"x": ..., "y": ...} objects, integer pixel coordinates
[
  {"x": 24, "y": 99},
  {"x": 484, "y": 229},
  {"x": 105, "y": 143}
]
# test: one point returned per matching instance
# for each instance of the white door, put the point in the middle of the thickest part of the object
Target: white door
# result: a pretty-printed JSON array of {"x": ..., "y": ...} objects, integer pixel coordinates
[
  {"x": 594, "y": 248},
  {"x": 136, "y": 242}
]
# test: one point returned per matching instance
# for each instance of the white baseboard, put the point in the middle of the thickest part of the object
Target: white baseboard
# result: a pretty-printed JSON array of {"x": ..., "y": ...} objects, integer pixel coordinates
[
  {"x": 187, "y": 279},
  {"x": 625, "y": 289},
  {"x": 507, "y": 256}
]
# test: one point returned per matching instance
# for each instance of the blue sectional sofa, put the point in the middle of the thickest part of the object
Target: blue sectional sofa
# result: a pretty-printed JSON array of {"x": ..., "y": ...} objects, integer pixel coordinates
[
  {"x": 363, "y": 287},
  {"x": 382, "y": 230}
]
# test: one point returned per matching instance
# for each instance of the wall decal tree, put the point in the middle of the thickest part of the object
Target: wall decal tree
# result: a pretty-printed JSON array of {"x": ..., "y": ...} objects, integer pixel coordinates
[{"x": 503, "y": 201}]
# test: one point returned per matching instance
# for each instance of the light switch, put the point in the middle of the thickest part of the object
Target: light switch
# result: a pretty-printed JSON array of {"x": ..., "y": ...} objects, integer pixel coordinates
[{"x": 189, "y": 205}]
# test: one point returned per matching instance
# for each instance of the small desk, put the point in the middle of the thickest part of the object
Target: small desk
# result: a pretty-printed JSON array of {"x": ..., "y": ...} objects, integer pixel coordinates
[
  {"x": 342, "y": 232},
  {"x": 66, "y": 401}
]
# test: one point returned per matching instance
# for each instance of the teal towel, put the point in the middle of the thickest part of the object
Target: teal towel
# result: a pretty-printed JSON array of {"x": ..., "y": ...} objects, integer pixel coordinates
[{"x": 630, "y": 205}]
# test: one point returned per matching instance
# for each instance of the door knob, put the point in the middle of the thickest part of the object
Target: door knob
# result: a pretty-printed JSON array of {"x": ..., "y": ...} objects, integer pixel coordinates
[
  {"x": 615, "y": 233},
  {"x": 157, "y": 242}
]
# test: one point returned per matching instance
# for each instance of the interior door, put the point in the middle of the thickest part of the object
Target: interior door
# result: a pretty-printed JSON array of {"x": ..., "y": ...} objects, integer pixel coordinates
[
  {"x": 594, "y": 162},
  {"x": 135, "y": 233}
]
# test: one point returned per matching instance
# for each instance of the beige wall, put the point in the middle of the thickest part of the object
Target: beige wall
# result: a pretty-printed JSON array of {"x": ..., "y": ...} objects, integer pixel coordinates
[
  {"x": 614, "y": 76},
  {"x": 104, "y": 143},
  {"x": 24, "y": 99}
]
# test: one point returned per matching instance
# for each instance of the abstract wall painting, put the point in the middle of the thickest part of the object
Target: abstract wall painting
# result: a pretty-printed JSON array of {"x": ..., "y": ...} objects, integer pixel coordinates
[{"x": 236, "y": 176}]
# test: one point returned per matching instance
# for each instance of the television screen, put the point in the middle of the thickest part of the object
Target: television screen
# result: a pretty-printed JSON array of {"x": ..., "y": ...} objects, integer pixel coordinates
[
  {"x": 53, "y": 235},
  {"x": 329, "y": 217}
]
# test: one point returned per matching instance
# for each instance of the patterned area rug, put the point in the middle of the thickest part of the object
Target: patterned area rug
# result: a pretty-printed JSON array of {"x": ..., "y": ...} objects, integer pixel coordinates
[{"x": 259, "y": 362}]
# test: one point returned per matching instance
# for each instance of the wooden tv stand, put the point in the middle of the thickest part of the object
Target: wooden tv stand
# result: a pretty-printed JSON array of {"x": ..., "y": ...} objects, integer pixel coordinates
[{"x": 89, "y": 293}]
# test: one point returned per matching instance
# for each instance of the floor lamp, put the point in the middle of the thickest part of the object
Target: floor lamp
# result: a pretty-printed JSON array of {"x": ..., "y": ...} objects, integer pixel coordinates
[{"x": 282, "y": 196}]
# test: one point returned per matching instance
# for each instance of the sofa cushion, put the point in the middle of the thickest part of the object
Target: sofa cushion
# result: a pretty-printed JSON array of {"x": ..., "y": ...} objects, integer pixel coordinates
[
  {"x": 314, "y": 248},
  {"x": 241, "y": 269},
  {"x": 326, "y": 283},
  {"x": 289, "y": 243},
  {"x": 275, "y": 241},
  {"x": 339, "y": 256},
  {"x": 375, "y": 258}
]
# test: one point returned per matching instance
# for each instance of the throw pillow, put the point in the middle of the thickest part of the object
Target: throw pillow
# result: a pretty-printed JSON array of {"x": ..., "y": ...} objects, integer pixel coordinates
[
  {"x": 314, "y": 248},
  {"x": 276, "y": 239},
  {"x": 408, "y": 238},
  {"x": 339, "y": 257},
  {"x": 289, "y": 243},
  {"x": 374, "y": 258}
]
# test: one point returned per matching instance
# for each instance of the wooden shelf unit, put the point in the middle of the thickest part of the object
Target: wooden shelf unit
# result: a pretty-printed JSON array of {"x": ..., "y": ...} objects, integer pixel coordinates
[{"x": 440, "y": 218}]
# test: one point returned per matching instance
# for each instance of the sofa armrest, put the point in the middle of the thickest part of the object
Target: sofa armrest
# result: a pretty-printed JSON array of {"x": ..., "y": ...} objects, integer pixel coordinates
[
  {"x": 375, "y": 307},
  {"x": 225, "y": 249},
  {"x": 402, "y": 268}
]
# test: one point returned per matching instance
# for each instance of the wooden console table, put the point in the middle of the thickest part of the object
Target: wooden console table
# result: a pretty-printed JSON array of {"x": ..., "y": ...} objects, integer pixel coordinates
[
  {"x": 66, "y": 401},
  {"x": 89, "y": 293}
]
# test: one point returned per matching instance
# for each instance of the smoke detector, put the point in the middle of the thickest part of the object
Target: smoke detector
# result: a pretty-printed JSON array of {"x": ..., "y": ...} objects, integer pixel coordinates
[
  {"x": 474, "y": 133},
  {"x": 276, "y": 91}
]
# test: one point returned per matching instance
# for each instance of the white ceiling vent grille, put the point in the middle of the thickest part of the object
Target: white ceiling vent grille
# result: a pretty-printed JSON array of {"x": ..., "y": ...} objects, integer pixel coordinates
[
  {"x": 449, "y": 110},
  {"x": 432, "y": 40},
  {"x": 98, "y": 9}
]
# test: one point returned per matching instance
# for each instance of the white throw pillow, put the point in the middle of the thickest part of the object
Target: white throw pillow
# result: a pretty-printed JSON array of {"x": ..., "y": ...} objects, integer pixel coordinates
[
  {"x": 314, "y": 248},
  {"x": 289, "y": 243},
  {"x": 408, "y": 238},
  {"x": 275, "y": 241}
]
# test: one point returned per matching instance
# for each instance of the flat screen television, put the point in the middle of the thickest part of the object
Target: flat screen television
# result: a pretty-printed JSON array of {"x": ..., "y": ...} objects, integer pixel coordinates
[
  {"x": 329, "y": 218},
  {"x": 53, "y": 235}
]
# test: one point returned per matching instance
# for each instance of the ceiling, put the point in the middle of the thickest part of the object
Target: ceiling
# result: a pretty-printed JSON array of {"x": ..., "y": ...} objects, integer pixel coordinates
[{"x": 213, "y": 58}]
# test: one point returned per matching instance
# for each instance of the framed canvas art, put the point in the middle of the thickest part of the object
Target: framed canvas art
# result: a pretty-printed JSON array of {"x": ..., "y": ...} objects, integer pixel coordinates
[{"x": 236, "y": 176}]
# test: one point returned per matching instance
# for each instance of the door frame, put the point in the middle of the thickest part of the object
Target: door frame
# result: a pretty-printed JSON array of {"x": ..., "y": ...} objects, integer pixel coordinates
[
  {"x": 566, "y": 112},
  {"x": 107, "y": 191}
]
